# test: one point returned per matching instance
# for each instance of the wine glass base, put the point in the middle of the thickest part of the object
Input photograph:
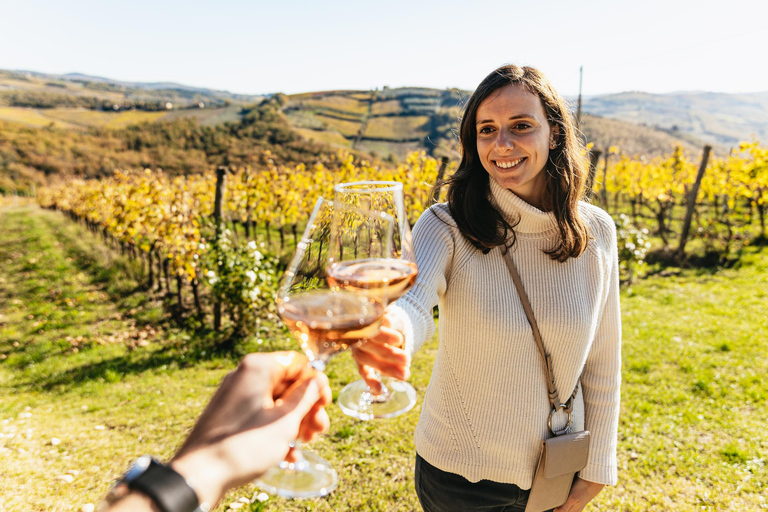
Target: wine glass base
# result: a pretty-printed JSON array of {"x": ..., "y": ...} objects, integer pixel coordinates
[
  {"x": 355, "y": 400},
  {"x": 311, "y": 478}
]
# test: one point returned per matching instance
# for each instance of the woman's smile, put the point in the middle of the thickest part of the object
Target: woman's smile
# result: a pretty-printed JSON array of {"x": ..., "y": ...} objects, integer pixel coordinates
[{"x": 507, "y": 164}]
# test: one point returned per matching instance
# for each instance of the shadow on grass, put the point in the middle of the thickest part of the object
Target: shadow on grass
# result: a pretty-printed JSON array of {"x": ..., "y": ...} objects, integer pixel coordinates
[
  {"x": 114, "y": 369},
  {"x": 667, "y": 262}
]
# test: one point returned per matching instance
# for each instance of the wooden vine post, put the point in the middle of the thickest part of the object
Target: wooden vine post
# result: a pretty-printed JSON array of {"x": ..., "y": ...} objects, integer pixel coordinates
[
  {"x": 604, "y": 189},
  {"x": 434, "y": 195},
  {"x": 680, "y": 253},
  {"x": 218, "y": 216},
  {"x": 594, "y": 156}
]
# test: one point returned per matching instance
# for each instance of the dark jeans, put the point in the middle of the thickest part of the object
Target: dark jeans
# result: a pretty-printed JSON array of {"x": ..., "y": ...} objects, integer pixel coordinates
[{"x": 440, "y": 491}]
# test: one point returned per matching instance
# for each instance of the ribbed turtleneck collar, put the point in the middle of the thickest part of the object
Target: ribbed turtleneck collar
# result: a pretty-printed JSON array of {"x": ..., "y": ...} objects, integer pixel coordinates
[{"x": 532, "y": 220}]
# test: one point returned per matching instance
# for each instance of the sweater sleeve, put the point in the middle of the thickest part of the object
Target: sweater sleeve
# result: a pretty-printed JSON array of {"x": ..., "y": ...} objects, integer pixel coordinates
[
  {"x": 601, "y": 378},
  {"x": 434, "y": 244}
]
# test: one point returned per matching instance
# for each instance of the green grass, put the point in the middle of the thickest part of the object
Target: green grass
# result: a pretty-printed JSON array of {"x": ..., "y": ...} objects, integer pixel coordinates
[{"x": 691, "y": 434}]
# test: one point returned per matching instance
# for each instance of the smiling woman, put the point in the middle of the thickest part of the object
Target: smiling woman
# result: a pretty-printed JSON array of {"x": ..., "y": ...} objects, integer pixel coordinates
[
  {"x": 516, "y": 113},
  {"x": 514, "y": 202}
]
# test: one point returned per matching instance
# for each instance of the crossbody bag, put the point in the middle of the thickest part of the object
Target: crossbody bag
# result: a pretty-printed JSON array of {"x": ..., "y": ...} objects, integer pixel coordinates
[{"x": 565, "y": 453}]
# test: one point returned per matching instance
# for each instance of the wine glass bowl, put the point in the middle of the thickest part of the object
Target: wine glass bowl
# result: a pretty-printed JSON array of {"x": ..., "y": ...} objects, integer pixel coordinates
[{"x": 326, "y": 323}]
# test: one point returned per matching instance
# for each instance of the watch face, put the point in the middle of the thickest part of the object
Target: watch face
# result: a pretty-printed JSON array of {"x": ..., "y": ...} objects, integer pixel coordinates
[{"x": 138, "y": 467}]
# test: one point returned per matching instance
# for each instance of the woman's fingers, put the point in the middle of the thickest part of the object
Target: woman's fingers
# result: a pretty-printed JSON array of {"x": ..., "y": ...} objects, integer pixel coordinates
[{"x": 388, "y": 360}]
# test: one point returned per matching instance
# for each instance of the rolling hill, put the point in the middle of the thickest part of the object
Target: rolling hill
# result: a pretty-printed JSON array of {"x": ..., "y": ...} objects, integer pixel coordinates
[
  {"x": 384, "y": 123},
  {"x": 392, "y": 122},
  {"x": 716, "y": 118},
  {"x": 33, "y": 89}
]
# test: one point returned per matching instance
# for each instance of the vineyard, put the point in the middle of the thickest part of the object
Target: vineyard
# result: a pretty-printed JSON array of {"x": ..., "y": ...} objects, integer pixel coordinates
[
  {"x": 92, "y": 372},
  {"x": 172, "y": 223}
]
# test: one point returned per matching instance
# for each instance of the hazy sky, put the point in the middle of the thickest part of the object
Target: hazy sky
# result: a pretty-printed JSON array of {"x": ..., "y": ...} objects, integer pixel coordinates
[{"x": 297, "y": 46}]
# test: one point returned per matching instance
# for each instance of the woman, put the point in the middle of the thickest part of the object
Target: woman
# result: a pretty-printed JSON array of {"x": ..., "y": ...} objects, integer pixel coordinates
[{"x": 485, "y": 412}]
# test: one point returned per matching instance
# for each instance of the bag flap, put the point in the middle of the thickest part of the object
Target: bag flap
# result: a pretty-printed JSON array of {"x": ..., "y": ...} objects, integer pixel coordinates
[{"x": 566, "y": 454}]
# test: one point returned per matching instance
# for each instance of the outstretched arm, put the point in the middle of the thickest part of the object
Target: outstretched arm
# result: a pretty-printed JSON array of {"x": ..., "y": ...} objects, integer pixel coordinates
[{"x": 269, "y": 401}]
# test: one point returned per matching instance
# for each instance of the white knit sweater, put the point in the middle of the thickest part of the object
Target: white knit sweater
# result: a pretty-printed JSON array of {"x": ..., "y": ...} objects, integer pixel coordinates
[{"x": 485, "y": 411}]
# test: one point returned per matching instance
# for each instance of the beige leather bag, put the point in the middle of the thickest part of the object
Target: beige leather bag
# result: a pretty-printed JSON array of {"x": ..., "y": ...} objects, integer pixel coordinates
[{"x": 565, "y": 454}]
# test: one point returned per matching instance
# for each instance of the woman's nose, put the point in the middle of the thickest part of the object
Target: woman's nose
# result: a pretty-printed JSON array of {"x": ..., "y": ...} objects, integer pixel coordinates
[{"x": 504, "y": 141}]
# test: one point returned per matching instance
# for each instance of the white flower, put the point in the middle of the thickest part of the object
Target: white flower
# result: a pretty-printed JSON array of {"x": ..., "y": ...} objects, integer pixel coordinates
[
  {"x": 254, "y": 294},
  {"x": 256, "y": 255},
  {"x": 251, "y": 275},
  {"x": 202, "y": 247},
  {"x": 211, "y": 274},
  {"x": 251, "y": 245}
]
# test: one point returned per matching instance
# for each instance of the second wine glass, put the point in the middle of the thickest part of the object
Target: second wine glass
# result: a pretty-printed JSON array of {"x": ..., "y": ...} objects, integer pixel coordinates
[
  {"x": 325, "y": 319},
  {"x": 392, "y": 277}
]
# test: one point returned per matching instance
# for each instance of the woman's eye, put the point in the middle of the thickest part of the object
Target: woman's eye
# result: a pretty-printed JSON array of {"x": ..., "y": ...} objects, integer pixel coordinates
[
  {"x": 486, "y": 129},
  {"x": 522, "y": 126}
]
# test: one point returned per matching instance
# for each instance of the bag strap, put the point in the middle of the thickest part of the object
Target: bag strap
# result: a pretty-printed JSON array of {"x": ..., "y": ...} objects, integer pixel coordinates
[{"x": 554, "y": 399}]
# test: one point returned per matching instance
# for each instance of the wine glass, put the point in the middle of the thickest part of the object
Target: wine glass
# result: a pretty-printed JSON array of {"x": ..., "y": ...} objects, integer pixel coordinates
[
  {"x": 326, "y": 319},
  {"x": 398, "y": 273}
]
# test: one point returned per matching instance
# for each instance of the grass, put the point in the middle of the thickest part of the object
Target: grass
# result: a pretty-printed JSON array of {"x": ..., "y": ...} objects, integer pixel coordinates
[
  {"x": 341, "y": 103},
  {"x": 345, "y": 128},
  {"x": 401, "y": 127},
  {"x": 691, "y": 434},
  {"x": 333, "y": 138},
  {"x": 386, "y": 107},
  {"x": 102, "y": 119},
  {"x": 85, "y": 118},
  {"x": 31, "y": 117}
]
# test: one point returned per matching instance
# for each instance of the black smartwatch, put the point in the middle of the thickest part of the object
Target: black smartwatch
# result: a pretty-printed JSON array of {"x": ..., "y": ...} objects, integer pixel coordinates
[{"x": 168, "y": 489}]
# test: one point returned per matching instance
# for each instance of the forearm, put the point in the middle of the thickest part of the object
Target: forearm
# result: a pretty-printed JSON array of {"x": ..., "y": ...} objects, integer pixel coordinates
[{"x": 413, "y": 323}]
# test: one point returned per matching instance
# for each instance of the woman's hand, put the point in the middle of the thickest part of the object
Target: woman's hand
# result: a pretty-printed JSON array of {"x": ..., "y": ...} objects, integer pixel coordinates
[
  {"x": 269, "y": 401},
  {"x": 582, "y": 492},
  {"x": 383, "y": 352}
]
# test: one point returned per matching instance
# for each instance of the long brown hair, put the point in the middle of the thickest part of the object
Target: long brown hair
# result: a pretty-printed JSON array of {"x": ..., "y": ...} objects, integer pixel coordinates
[{"x": 469, "y": 198}]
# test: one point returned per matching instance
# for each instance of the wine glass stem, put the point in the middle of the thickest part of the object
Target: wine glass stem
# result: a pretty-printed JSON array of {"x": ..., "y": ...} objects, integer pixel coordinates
[
  {"x": 294, "y": 459},
  {"x": 381, "y": 396},
  {"x": 318, "y": 364}
]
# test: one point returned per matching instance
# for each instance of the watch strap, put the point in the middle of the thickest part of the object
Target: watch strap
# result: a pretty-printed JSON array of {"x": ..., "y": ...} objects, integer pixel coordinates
[{"x": 168, "y": 489}]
